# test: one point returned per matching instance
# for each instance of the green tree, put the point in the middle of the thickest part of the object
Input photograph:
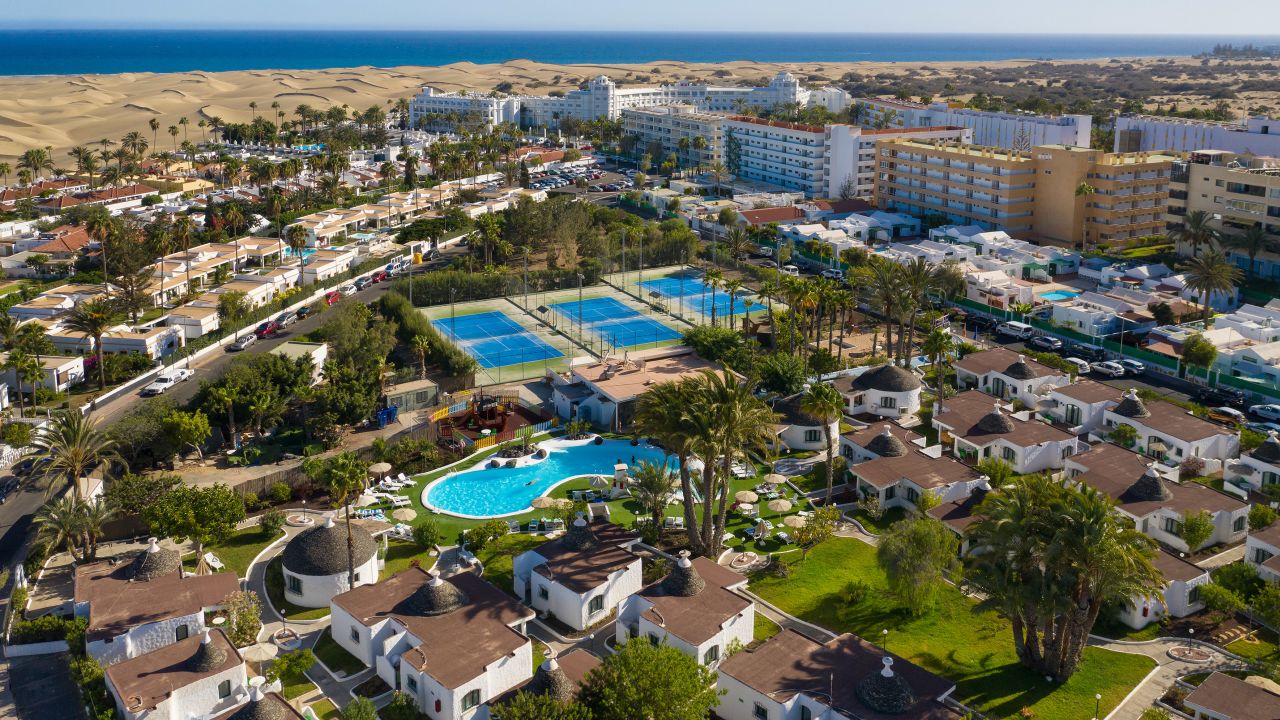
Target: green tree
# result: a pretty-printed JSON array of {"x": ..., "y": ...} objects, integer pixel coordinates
[
  {"x": 665, "y": 413},
  {"x": 1266, "y": 604},
  {"x": 782, "y": 373},
  {"x": 1197, "y": 230},
  {"x": 93, "y": 319},
  {"x": 825, "y": 403},
  {"x": 1261, "y": 517},
  {"x": 232, "y": 308},
  {"x": 916, "y": 554},
  {"x": 651, "y": 487},
  {"x": 939, "y": 345},
  {"x": 1210, "y": 274},
  {"x": 818, "y": 529},
  {"x": 1220, "y": 601},
  {"x": 188, "y": 429},
  {"x": 291, "y": 667},
  {"x": 659, "y": 681},
  {"x": 1239, "y": 578},
  {"x": 1199, "y": 352},
  {"x": 530, "y": 706},
  {"x": 360, "y": 708},
  {"x": 1196, "y": 529},
  {"x": 70, "y": 447},
  {"x": 131, "y": 493},
  {"x": 1252, "y": 241},
  {"x": 60, "y": 522},
  {"x": 203, "y": 515},
  {"x": 1124, "y": 435},
  {"x": 344, "y": 476}
]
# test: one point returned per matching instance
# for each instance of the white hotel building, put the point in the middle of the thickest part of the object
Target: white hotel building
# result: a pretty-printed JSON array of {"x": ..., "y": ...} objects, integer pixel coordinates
[
  {"x": 603, "y": 98},
  {"x": 1255, "y": 136},
  {"x": 995, "y": 129}
]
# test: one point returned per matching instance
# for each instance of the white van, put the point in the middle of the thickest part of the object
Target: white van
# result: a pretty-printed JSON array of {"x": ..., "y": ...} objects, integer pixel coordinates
[
  {"x": 791, "y": 270},
  {"x": 1013, "y": 329}
]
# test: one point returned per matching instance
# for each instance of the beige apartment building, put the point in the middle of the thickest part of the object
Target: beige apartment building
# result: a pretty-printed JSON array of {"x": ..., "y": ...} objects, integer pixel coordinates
[
  {"x": 1237, "y": 191},
  {"x": 669, "y": 125},
  {"x": 1053, "y": 191}
]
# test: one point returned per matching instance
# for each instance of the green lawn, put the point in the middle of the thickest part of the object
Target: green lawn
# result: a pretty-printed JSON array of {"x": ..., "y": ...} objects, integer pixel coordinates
[
  {"x": 878, "y": 526},
  {"x": 1263, "y": 646},
  {"x": 399, "y": 555},
  {"x": 275, "y": 591},
  {"x": 238, "y": 551},
  {"x": 974, "y": 648},
  {"x": 325, "y": 710},
  {"x": 765, "y": 628},
  {"x": 539, "y": 650},
  {"x": 334, "y": 656},
  {"x": 499, "y": 555},
  {"x": 1109, "y": 626}
]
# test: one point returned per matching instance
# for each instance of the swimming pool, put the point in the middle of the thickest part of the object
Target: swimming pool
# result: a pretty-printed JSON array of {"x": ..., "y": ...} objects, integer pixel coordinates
[
  {"x": 306, "y": 252},
  {"x": 485, "y": 492},
  {"x": 1059, "y": 295}
]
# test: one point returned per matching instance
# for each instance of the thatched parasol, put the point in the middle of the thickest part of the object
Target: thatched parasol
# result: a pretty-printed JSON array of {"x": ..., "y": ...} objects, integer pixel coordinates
[
  {"x": 775, "y": 478},
  {"x": 543, "y": 502},
  {"x": 779, "y": 505},
  {"x": 794, "y": 521},
  {"x": 746, "y": 496}
]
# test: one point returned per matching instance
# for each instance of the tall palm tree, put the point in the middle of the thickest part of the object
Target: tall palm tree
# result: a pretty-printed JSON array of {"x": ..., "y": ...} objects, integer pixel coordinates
[
  {"x": 100, "y": 226},
  {"x": 36, "y": 160},
  {"x": 5, "y": 169},
  {"x": 26, "y": 369},
  {"x": 824, "y": 402},
  {"x": 93, "y": 319},
  {"x": 1252, "y": 241},
  {"x": 94, "y": 514},
  {"x": 296, "y": 237},
  {"x": 664, "y": 413},
  {"x": 154, "y": 124},
  {"x": 650, "y": 485},
  {"x": 182, "y": 231},
  {"x": 70, "y": 446},
  {"x": 422, "y": 348},
  {"x": 1084, "y": 191},
  {"x": 344, "y": 476},
  {"x": 62, "y": 523},
  {"x": 938, "y": 346},
  {"x": 1211, "y": 273},
  {"x": 226, "y": 397},
  {"x": 917, "y": 279},
  {"x": 882, "y": 281},
  {"x": 1197, "y": 230}
]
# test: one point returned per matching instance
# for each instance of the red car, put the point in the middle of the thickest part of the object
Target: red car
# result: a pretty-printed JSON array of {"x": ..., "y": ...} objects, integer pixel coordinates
[
  {"x": 267, "y": 329},
  {"x": 380, "y": 276},
  {"x": 332, "y": 297}
]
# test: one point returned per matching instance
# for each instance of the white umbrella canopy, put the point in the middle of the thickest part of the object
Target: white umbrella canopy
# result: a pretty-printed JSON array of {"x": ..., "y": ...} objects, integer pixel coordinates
[
  {"x": 779, "y": 505},
  {"x": 746, "y": 496},
  {"x": 599, "y": 481},
  {"x": 794, "y": 521},
  {"x": 380, "y": 468},
  {"x": 775, "y": 478},
  {"x": 543, "y": 502},
  {"x": 260, "y": 653}
]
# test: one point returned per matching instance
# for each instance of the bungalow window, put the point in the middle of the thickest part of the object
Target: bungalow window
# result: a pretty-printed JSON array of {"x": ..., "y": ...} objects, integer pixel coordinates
[
  {"x": 470, "y": 700},
  {"x": 1171, "y": 526},
  {"x": 812, "y": 435},
  {"x": 596, "y": 604},
  {"x": 357, "y": 577},
  {"x": 182, "y": 632},
  {"x": 412, "y": 684},
  {"x": 890, "y": 492},
  {"x": 1260, "y": 556},
  {"x": 888, "y": 403},
  {"x": 355, "y": 636},
  {"x": 1007, "y": 454},
  {"x": 294, "y": 583},
  {"x": 1238, "y": 525},
  {"x": 912, "y": 495},
  {"x": 1193, "y": 596},
  {"x": 805, "y": 713},
  {"x": 1270, "y": 478},
  {"x": 542, "y": 592},
  {"x": 711, "y": 655},
  {"x": 761, "y": 712},
  {"x": 224, "y": 689}
]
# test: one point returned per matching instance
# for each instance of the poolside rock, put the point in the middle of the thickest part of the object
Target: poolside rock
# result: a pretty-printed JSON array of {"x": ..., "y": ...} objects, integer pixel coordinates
[{"x": 598, "y": 441}]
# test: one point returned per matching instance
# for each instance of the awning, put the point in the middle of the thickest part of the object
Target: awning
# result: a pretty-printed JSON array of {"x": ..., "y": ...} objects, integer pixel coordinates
[{"x": 1157, "y": 445}]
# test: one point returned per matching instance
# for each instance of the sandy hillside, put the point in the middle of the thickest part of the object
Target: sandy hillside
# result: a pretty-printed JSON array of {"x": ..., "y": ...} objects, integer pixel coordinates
[{"x": 64, "y": 111}]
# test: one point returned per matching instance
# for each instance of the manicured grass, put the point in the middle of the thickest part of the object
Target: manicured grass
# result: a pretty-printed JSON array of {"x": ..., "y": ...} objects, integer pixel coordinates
[
  {"x": 881, "y": 524},
  {"x": 298, "y": 689},
  {"x": 334, "y": 656},
  {"x": 325, "y": 710},
  {"x": 275, "y": 591},
  {"x": 1209, "y": 481},
  {"x": 539, "y": 656},
  {"x": 1111, "y": 627},
  {"x": 1263, "y": 646},
  {"x": 971, "y": 647},
  {"x": 238, "y": 551},
  {"x": 498, "y": 556},
  {"x": 400, "y": 555},
  {"x": 765, "y": 628}
]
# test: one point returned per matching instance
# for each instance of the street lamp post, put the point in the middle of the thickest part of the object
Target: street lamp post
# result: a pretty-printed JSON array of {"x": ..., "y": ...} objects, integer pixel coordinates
[
  {"x": 453, "y": 294},
  {"x": 884, "y": 639},
  {"x": 1097, "y": 705},
  {"x": 579, "y": 304}
]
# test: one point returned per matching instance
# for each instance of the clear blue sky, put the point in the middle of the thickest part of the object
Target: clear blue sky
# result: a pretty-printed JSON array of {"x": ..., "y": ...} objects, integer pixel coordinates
[{"x": 1221, "y": 17}]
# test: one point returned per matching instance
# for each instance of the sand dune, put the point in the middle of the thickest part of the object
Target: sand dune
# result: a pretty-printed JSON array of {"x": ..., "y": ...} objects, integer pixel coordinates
[{"x": 62, "y": 111}]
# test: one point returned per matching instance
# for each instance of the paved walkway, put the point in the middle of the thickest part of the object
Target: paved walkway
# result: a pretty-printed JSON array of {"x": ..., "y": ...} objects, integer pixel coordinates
[
  {"x": 1225, "y": 557},
  {"x": 1168, "y": 669}
]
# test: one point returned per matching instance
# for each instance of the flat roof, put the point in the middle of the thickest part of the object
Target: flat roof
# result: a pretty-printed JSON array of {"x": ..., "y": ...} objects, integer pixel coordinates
[
  {"x": 622, "y": 381},
  {"x": 584, "y": 569},
  {"x": 117, "y": 604},
  {"x": 1232, "y": 698},
  {"x": 926, "y": 472},
  {"x": 697, "y": 618},
  {"x": 152, "y": 677}
]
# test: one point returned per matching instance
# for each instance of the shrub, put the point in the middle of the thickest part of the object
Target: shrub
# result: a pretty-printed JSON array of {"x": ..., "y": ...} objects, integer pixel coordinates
[
  {"x": 281, "y": 493},
  {"x": 17, "y": 434},
  {"x": 481, "y": 535},
  {"x": 272, "y": 522},
  {"x": 426, "y": 535},
  {"x": 1191, "y": 467},
  {"x": 1239, "y": 578},
  {"x": 45, "y": 628},
  {"x": 252, "y": 501},
  {"x": 855, "y": 592},
  {"x": 1261, "y": 517}
]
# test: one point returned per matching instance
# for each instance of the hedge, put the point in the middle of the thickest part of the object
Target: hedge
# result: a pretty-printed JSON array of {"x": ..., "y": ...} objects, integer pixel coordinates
[{"x": 410, "y": 323}]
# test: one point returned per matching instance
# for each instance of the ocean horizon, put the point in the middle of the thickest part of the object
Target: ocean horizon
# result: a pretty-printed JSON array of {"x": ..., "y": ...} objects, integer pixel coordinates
[{"x": 70, "y": 52}]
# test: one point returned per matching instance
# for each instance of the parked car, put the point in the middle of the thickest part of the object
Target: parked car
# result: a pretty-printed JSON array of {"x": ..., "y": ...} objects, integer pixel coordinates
[
  {"x": 1215, "y": 397},
  {"x": 267, "y": 329},
  {"x": 1132, "y": 367},
  {"x": 1266, "y": 412},
  {"x": 166, "y": 380},
  {"x": 380, "y": 276},
  {"x": 833, "y": 274},
  {"x": 1230, "y": 416},
  {"x": 1014, "y": 329},
  {"x": 1082, "y": 367},
  {"x": 285, "y": 319},
  {"x": 303, "y": 312},
  {"x": 982, "y": 322},
  {"x": 791, "y": 270},
  {"x": 1087, "y": 352},
  {"x": 1045, "y": 342},
  {"x": 1265, "y": 428},
  {"x": 362, "y": 283},
  {"x": 332, "y": 297},
  {"x": 29, "y": 466},
  {"x": 1108, "y": 368},
  {"x": 243, "y": 343}
]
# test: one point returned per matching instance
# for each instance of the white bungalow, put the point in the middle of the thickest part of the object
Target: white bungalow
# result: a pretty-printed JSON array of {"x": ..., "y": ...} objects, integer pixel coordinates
[
  {"x": 1080, "y": 406},
  {"x": 314, "y": 563},
  {"x": 1181, "y": 594},
  {"x": 200, "y": 676},
  {"x": 1172, "y": 434},
  {"x": 1262, "y": 552},
  {"x": 977, "y": 428},
  {"x": 581, "y": 577},
  {"x": 887, "y": 391},
  {"x": 1008, "y": 376},
  {"x": 1258, "y": 468},
  {"x": 798, "y": 430}
]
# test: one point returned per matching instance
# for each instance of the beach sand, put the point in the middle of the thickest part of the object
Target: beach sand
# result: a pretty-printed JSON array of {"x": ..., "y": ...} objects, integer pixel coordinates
[{"x": 68, "y": 110}]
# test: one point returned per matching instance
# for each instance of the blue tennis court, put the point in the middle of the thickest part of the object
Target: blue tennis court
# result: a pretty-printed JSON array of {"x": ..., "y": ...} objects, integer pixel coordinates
[
  {"x": 692, "y": 292},
  {"x": 613, "y": 322},
  {"x": 495, "y": 340}
]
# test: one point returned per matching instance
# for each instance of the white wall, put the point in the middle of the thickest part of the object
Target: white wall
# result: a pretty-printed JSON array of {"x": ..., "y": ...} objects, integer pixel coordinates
[
  {"x": 497, "y": 678},
  {"x": 568, "y": 606},
  {"x": 143, "y": 639},
  {"x": 871, "y": 401},
  {"x": 318, "y": 590},
  {"x": 199, "y": 699}
]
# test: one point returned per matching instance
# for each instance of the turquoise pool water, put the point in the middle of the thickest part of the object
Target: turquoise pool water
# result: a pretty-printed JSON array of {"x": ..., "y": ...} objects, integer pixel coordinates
[
  {"x": 306, "y": 252},
  {"x": 493, "y": 492},
  {"x": 1059, "y": 295}
]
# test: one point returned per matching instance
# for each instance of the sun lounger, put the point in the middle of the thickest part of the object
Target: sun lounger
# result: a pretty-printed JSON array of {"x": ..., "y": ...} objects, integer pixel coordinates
[
  {"x": 212, "y": 561},
  {"x": 785, "y": 538},
  {"x": 404, "y": 480},
  {"x": 400, "y": 501},
  {"x": 679, "y": 523},
  {"x": 513, "y": 526},
  {"x": 669, "y": 522}
]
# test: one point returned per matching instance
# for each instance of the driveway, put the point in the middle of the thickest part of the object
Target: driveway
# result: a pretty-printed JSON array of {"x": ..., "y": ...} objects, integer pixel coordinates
[{"x": 42, "y": 688}]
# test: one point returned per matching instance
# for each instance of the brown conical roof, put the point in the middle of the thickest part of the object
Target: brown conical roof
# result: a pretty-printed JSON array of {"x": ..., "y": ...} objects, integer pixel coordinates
[
  {"x": 322, "y": 550},
  {"x": 1150, "y": 487},
  {"x": 550, "y": 680},
  {"x": 261, "y": 707},
  {"x": 886, "y": 444},
  {"x": 1131, "y": 406},
  {"x": 1268, "y": 451},
  {"x": 579, "y": 536},
  {"x": 683, "y": 580},
  {"x": 995, "y": 422},
  {"x": 1020, "y": 370},
  {"x": 154, "y": 562},
  {"x": 437, "y": 596},
  {"x": 886, "y": 691},
  {"x": 208, "y": 657}
]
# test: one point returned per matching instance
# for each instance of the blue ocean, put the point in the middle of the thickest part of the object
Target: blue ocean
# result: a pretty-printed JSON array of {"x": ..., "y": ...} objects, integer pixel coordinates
[{"x": 62, "y": 52}]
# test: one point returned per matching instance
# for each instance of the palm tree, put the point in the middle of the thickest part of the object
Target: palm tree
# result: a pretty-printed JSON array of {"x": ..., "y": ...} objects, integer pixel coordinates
[
  {"x": 226, "y": 397},
  {"x": 182, "y": 230},
  {"x": 173, "y": 133},
  {"x": 26, "y": 369},
  {"x": 70, "y": 446},
  {"x": 93, "y": 515},
  {"x": 61, "y": 522},
  {"x": 737, "y": 242},
  {"x": 1197, "y": 229},
  {"x": 100, "y": 226},
  {"x": 664, "y": 413},
  {"x": 1211, "y": 273},
  {"x": 917, "y": 279},
  {"x": 1253, "y": 241},
  {"x": 5, "y": 169},
  {"x": 154, "y": 124},
  {"x": 296, "y": 237},
  {"x": 1083, "y": 192},
  {"x": 422, "y": 347},
  {"x": 882, "y": 280},
  {"x": 650, "y": 485},
  {"x": 93, "y": 319},
  {"x": 824, "y": 402},
  {"x": 938, "y": 346},
  {"x": 36, "y": 160},
  {"x": 344, "y": 475}
]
